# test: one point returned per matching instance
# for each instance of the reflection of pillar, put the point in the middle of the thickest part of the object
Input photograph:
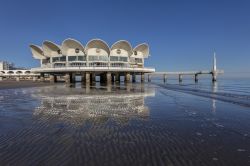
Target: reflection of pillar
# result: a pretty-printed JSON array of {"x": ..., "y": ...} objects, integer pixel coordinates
[
  {"x": 180, "y": 78},
  {"x": 214, "y": 90},
  {"x": 128, "y": 87},
  {"x": 165, "y": 78},
  {"x": 127, "y": 77},
  {"x": 87, "y": 77},
  {"x": 108, "y": 77},
  {"x": 109, "y": 87},
  {"x": 133, "y": 77},
  {"x": 34, "y": 79},
  {"x": 196, "y": 77},
  {"x": 51, "y": 78},
  {"x": 67, "y": 78},
  {"x": 142, "y": 77},
  {"x": 87, "y": 87},
  {"x": 117, "y": 77}
]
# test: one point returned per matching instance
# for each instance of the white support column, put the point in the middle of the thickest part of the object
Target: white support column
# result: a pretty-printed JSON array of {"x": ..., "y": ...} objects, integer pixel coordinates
[
  {"x": 196, "y": 77},
  {"x": 108, "y": 77},
  {"x": 149, "y": 78},
  {"x": 87, "y": 77},
  {"x": 180, "y": 78},
  {"x": 127, "y": 77},
  {"x": 164, "y": 77},
  {"x": 67, "y": 78},
  {"x": 142, "y": 77},
  {"x": 133, "y": 77}
]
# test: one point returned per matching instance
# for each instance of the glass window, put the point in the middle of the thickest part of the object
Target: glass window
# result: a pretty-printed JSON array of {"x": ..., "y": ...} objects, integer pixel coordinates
[
  {"x": 72, "y": 58},
  {"x": 114, "y": 58},
  {"x": 45, "y": 61},
  {"x": 93, "y": 58},
  {"x": 123, "y": 59},
  {"x": 63, "y": 58},
  {"x": 81, "y": 58},
  {"x": 138, "y": 60},
  {"x": 55, "y": 59},
  {"x": 103, "y": 58}
]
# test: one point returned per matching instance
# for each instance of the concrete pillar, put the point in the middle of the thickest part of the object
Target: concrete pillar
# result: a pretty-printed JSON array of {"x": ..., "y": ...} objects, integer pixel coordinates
[
  {"x": 127, "y": 77},
  {"x": 196, "y": 77},
  {"x": 108, "y": 77},
  {"x": 51, "y": 78},
  {"x": 17, "y": 78},
  {"x": 67, "y": 78},
  {"x": 133, "y": 77},
  {"x": 214, "y": 77},
  {"x": 42, "y": 77},
  {"x": 83, "y": 77},
  {"x": 142, "y": 77},
  {"x": 93, "y": 77},
  {"x": 73, "y": 78},
  {"x": 87, "y": 78},
  {"x": 149, "y": 78},
  {"x": 102, "y": 78},
  {"x": 164, "y": 77},
  {"x": 180, "y": 78},
  {"x": 113, "y": 77},
  {"x": 117, "y": 77},
  {"x": 1, "y": 78}
]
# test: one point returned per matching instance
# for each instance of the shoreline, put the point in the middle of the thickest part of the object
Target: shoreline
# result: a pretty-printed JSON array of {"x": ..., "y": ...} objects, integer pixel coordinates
[{"x": 11, "y": 84}]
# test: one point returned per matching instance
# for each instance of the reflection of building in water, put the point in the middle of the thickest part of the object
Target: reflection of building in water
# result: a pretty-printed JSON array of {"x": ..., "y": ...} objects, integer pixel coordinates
[{"x": 95, "y": 107}]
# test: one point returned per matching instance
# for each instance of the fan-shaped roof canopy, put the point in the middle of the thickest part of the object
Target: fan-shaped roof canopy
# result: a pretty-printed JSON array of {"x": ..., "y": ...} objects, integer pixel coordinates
[
  {"x": 70, "y": 46},
  {"x": 122, "y": 45},
  {"x": 51, "y": 49},
  {"x": 99, "y": 45},
  {"x": 37, "y": 52},
  {"x": 142, "y": 50}
]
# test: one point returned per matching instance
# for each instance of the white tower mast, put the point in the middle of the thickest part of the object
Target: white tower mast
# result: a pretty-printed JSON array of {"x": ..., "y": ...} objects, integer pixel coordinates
[{"x": 214, "y": 64}]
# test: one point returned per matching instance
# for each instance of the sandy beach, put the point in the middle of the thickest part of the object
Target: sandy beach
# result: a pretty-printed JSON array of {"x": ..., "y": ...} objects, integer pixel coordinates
[{"x": 10, "y": 84}]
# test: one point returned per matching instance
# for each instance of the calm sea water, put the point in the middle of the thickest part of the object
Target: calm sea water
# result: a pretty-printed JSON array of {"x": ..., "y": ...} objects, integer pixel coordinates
[{"x": 135, "y": 124}]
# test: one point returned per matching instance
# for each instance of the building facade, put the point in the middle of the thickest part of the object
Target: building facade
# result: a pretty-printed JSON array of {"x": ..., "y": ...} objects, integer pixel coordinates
[{"x": 96, "y": 57}]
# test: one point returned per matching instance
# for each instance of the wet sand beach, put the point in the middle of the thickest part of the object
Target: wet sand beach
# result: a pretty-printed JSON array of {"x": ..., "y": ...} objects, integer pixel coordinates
[
  {"x": 134, "y": 124},
  {"x": 12, "y": 84}
]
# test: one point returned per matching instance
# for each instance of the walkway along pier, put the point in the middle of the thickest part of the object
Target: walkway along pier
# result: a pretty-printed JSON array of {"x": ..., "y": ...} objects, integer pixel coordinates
[{"x": 214, "y": 73}]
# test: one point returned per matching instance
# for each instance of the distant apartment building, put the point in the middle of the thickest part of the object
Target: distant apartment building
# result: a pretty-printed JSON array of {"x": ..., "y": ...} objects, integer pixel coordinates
[{"x": 4, "y": 65}]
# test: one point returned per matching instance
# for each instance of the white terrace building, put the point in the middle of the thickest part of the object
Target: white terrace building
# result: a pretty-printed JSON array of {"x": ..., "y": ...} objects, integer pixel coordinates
[
  {"x": 96, "y": 57},
  {"x": 96, "y": 53}
]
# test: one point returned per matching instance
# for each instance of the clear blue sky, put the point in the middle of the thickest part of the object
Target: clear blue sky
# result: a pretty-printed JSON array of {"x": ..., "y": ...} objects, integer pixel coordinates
[{"x": 182, "y": 34}]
